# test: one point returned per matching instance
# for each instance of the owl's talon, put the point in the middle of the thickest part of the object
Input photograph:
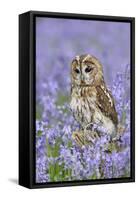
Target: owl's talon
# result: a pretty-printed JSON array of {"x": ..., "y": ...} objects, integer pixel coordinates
[
  {"x": 92, "y": 135},
  {"x": 78, "y": 137},
  {"x": 85, "y": 138}
]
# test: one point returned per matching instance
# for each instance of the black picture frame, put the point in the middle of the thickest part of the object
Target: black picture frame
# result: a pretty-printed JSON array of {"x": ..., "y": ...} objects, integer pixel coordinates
[{"x": 27, "y": 98}]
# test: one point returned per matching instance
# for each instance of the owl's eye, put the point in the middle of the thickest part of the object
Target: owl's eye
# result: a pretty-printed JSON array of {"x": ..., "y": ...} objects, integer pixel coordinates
[
  {"x": 88, "y": 69},
  {"x": 77, "y": 71}
]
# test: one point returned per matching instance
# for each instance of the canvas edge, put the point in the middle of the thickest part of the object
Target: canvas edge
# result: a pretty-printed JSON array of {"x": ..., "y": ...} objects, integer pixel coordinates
[{"x": 24, "y": 102}]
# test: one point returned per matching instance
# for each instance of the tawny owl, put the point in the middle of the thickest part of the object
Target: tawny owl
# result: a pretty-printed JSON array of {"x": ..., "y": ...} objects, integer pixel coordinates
[{"x": 91, "y": 101}]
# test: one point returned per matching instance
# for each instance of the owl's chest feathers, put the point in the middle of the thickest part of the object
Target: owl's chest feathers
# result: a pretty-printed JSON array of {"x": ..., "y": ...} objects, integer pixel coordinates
[
  {"x": 85, "y": 110},
  {"x": 83, "y": 103}
]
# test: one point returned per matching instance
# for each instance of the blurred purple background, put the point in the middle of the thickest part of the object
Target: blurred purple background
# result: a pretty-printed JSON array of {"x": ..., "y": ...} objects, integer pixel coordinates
[{"x": 59, "y": 40}]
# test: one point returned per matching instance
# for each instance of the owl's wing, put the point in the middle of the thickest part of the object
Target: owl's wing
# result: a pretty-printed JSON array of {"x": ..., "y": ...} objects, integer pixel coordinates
[{"x": 106, "y": 103}]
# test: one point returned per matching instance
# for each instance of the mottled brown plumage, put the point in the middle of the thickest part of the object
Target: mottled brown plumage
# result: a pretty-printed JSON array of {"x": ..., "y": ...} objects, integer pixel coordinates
[
  {"x": 91, "y": 101},
  {"x": 105, "y": 105}
]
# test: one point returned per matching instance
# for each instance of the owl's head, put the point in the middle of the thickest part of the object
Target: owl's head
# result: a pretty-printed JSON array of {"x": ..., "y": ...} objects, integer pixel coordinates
[{"x": 86, "y": 70}]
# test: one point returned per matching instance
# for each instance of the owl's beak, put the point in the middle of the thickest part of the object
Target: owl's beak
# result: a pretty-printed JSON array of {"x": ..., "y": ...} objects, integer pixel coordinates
[{"x": 82, "y": 80}]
